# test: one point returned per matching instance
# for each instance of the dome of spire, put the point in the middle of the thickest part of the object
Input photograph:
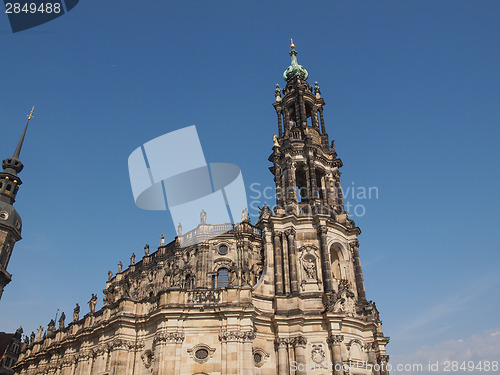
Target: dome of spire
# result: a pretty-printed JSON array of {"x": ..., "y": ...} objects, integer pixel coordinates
[{"x": 294, "y": 70}]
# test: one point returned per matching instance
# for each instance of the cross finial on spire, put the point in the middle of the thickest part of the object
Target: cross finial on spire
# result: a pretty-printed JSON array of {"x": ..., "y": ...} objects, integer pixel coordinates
[
  {"x": 20, "y": 144},
  {"x": 31, "y": 113},
  {"x": 292, "y": 46}
]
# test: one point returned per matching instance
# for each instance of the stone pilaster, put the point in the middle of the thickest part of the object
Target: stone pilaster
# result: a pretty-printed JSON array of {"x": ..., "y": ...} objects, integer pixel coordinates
[
  {"x": 278, "y": 265},
  {"x": 322, "y": 120},
  {"x": 238, "y": 346},
  {"x": 308, "y": 182},
  {"x": 291, "y": 183},
  {"x": 300, "y": 343},
  {"x": 282, "y": 348},
  {"x": 372, "y": 357},
  {"x": 280, "y": 125},
  {"x": 286, "y": 268},
  {"x": 314, "y": 183},
  {"x": 358, "y": 274},
  {"x": 165, "y": 352},
  {"x": 292, "y": 257},
  {"x": 326, "y": 267},
  {"x": 334, "y": 342},
  {"x": 383, "y": 360}
]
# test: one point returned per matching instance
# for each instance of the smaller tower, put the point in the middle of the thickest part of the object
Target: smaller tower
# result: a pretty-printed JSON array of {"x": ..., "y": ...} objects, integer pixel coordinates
[{"x": 10, "y": 220}]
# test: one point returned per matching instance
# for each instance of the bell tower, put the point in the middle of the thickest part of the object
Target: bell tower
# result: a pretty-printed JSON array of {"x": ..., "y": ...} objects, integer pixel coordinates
[
  {"x": 313, "y": 266},
  {"x": 306, "y": 167},
  {"x": 10, "y": 220}
]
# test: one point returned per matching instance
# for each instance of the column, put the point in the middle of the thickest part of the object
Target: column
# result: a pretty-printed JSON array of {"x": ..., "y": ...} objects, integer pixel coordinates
[
  {"x": 297, "y": 113},
  {"x": 247, "y": 355},
  {"x": 314, "y": 184},
  {"x": 291, "y": 185},
  {"x": 280, "y": 126},
  {"x": 278, "y": 178},
  {"x": 286, "y": 270},
  {"x": 326, "y": 267},
  {"x": 372, "y": 358},
  {"x": 286, "y": 119},
  {"x": 383, "y": 360},
  {"x": 300, "y": 354},
  {"x": 178, "y": 338},
  {"x": 292, "y": 257},
  {"x": 334, "y": 342},
  {"x": 303, "y": 113},
  {"x": 358, "y": 274},
  {"x": 282, "y": 345},
  {"x": 232, "y": 355},
  {"x": 332, "y": 195},
  {"x": 314, "y": 117},
  {"x": 201, "y": 275},
  {"x": 308, "y": 182},
  {"x": 322, "y": 120},
  {"x": 278, "y": 266}
]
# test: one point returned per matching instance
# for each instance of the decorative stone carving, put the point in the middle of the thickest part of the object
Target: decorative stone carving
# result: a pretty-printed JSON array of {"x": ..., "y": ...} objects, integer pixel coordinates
[
  {"x": 265, "y": 213},
  {"x": 147, "y": 358},
  {"x": 275, "y": 141},
  {"x": 282, "y": 342},
  {"x": 201, "y": 353},
  {"x": 61, "y": 320},
  {"x": 92, "y": 303},
  {"x": 383, "y": 358},
  {"x": 122, "y": 344},
  {"x": 335, "y": 339},
  {"x": 309, "y": 265},
  {"x": 39, "y": 333},
  {"x": 300, "y": 341},
  {"x": 223, "y": 263},
  {"x": 204, "y": 296},
  {"x": 256, "y": 272},
  {"x": 51, "y": 329},
  {"x": 342, "y": 301},
  {"x": 370, "y": 346},
  {"x": 168, "y": 337},
  {"x": 244, "y": 215},
  {"x": 203, "y": 217},
  {"x": 238, "y": 336},
  {"x": 76, "y": 312},
  {"x": 318, "y": 354},
  {"x": 260, "y": 356}
]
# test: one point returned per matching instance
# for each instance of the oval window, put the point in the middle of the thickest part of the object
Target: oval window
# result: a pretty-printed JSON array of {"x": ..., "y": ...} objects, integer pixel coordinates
[{"x": 223, "y": 250}]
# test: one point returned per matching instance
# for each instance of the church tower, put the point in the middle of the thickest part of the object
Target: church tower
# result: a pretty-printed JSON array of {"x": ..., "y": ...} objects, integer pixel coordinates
[
  {"x": 311, "y": 244},
  {"x": 10, "y": 220}
]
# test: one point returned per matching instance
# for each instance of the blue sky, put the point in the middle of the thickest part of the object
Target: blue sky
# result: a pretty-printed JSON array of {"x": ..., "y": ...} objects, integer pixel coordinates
[{"x": 412, "y": 91}]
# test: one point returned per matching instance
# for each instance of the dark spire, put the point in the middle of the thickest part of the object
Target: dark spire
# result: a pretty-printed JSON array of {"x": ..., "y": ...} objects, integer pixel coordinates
[
  {"x": 20, "y": 144},
  {"x": 13, "y": 164}
]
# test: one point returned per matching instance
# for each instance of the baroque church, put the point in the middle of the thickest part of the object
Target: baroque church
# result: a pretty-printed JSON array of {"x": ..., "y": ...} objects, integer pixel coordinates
[{"x": 282, "y": 296}]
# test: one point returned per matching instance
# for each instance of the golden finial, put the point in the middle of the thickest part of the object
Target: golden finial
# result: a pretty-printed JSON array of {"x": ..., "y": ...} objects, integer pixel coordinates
[
  {"x": 292, "y": 46},
  {"x": 31, "y": 113}
]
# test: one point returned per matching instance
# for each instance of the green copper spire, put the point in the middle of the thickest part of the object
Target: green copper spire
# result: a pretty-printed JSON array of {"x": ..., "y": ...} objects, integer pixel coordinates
[{"x": 294, "y": 70}]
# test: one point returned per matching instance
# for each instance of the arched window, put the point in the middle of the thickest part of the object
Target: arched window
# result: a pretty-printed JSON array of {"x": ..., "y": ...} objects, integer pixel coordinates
[
  {"x": 300, "y": 180},
  {"x": 222, "y": 278},
  {"x": 335, "y": 259}
]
